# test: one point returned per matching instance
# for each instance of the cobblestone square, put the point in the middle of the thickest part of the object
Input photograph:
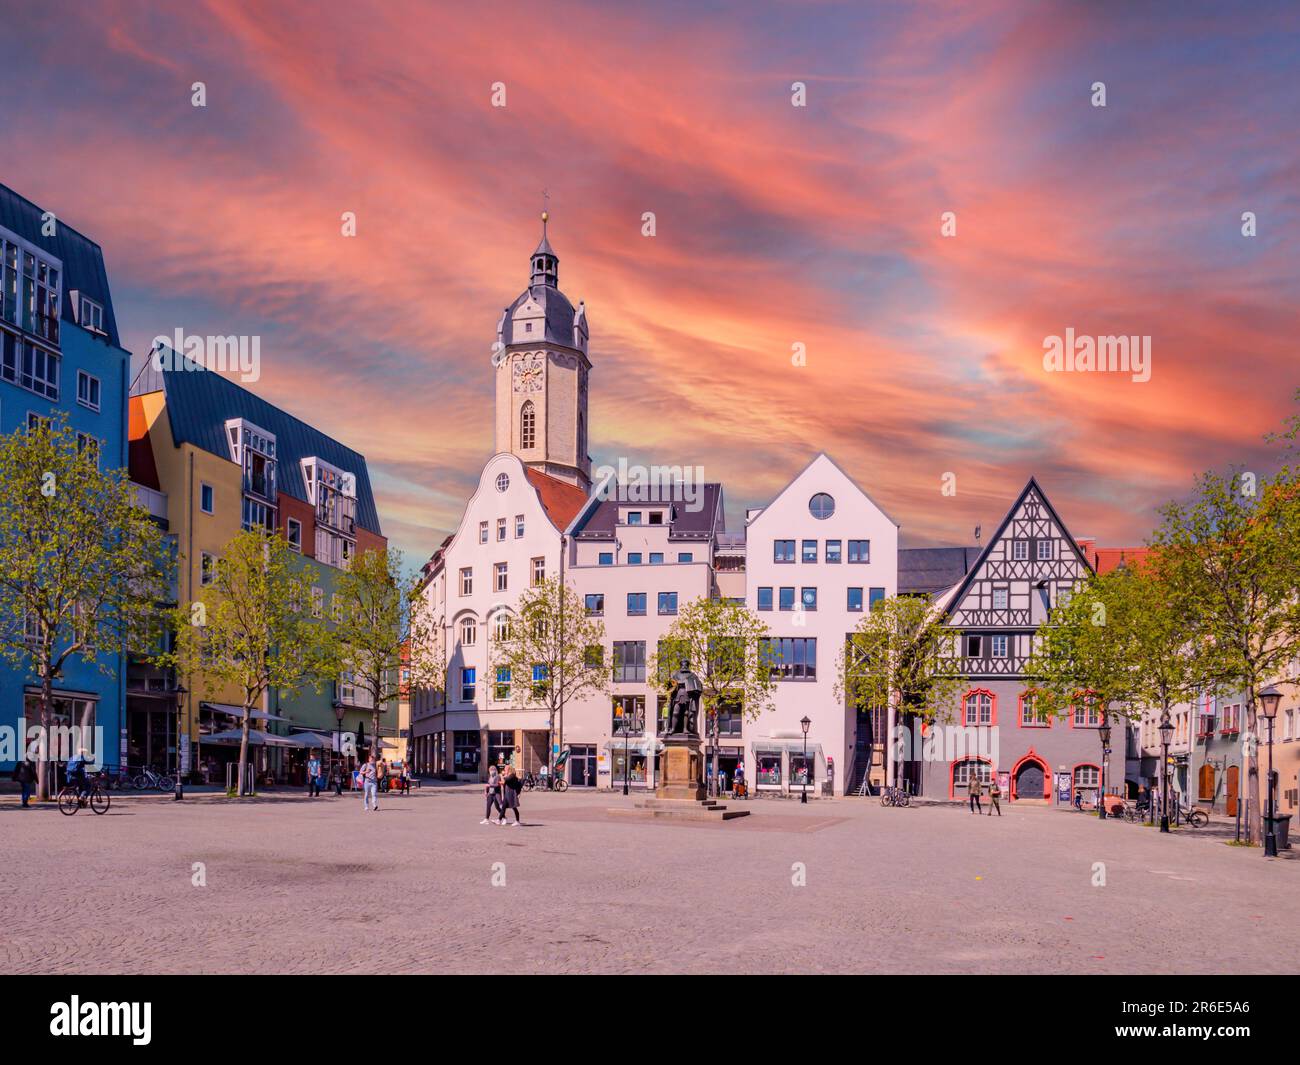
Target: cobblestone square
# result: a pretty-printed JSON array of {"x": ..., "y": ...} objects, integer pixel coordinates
[{"x": 298, "y": 886}]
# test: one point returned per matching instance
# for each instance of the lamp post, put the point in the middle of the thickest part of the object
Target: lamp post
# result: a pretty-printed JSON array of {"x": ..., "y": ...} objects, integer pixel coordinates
[
  {"x": 1104, "y": 733},
  {"x": 627, "y": 762},
  {"x": 806, "y": 723},
  {"x": 1166, "y": 733},
  {"x": 338, "y": 749},
  {"x": 180, "y": 693},
  {"x": 1268, "y": 700}
]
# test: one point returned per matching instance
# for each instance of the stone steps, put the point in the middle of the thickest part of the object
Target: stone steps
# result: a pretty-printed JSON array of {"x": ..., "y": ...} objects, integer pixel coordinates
[{"x": 679, "y": 809}]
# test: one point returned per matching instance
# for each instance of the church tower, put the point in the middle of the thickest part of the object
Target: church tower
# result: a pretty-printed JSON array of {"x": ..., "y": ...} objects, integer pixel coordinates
[{"x": 542, "y": 369}]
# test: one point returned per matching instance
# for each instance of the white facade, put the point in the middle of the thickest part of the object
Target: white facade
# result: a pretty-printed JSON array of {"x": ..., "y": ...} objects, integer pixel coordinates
[{"x": 811, "y": 579}]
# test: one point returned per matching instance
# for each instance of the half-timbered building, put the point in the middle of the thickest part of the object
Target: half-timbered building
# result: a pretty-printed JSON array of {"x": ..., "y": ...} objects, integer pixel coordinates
[{"x": 995, "y": 610}]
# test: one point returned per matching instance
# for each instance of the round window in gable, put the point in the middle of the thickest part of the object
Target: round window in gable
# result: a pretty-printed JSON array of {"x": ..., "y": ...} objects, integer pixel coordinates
[
  {"x": 821, "y": 506},
  {"x": 503, "y": 482}
]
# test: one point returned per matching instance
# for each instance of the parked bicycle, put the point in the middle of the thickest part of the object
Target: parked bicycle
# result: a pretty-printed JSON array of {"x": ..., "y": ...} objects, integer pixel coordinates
[
  {"x": 148, "y": 778},
  {"x": 72, "y": 798},
  {"x": 1191, "y": 816},
  {"x": 892, "y": 796},
  {"x": 545, "y": 783}
]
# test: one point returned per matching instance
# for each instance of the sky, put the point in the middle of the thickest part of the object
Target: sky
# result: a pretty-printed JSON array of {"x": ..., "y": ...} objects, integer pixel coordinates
[{"x": 775, "y": 225}]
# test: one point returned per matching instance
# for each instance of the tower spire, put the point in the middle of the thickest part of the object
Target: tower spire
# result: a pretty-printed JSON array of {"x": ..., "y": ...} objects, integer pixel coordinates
[{"x": 545, "y": 263}]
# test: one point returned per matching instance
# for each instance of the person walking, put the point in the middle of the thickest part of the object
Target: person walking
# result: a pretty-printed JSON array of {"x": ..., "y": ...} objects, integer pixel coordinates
[
  {"x": 995, "y": 793},
  {"x": 510, "y": 795},
  {"x": 370, "y": 785},
  {"x": 381, "y": 768},
  {"x": 25, "y": 774},
  {"x": 738, "y": 781},
  {"x": 313, "y": 775},
  {"x": 975, "y": 790},
  {"x": 492, "y": 795}
]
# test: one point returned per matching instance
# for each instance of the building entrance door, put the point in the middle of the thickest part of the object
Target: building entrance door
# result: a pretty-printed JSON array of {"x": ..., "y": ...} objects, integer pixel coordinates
[
  {"x": 582, "y": 766},
  {"x": 1029, "y": 781},
  {"x": 1233, "y": 778}
]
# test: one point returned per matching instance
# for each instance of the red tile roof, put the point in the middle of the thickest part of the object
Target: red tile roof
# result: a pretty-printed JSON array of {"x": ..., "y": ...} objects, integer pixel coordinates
[
  {"x": 1106, "y": 559},
  {"x": 561, "y": 500}
]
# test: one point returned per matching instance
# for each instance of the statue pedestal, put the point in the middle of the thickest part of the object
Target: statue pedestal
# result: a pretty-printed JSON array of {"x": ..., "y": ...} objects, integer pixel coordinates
[{"x": 681, "y": 769}]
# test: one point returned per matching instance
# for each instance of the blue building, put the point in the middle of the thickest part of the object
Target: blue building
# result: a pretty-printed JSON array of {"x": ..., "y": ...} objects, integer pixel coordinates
[{"x": 59, "y": 351}]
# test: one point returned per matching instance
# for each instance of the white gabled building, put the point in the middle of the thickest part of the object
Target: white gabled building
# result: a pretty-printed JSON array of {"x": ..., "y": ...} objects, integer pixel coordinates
[{"x": 817, "y": 557}]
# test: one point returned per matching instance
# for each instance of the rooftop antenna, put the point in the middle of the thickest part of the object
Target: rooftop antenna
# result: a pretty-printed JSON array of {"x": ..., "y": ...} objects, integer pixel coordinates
[{"x": 978, "y": 530}]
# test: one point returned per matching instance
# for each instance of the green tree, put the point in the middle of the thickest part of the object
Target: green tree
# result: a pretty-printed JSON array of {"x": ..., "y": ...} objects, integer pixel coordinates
[
  {"x": 724, "y": 643},
  {"x": 900, "y": 657},
  {"x": 378, "y": 639},
  {"x": 256, "y": 626},
  {"x": 1121, "y": 641},
  {"x": 82, "y": 566},
  {"x": 1233, "y": 550},
  {"x": 550, "y": 652}
]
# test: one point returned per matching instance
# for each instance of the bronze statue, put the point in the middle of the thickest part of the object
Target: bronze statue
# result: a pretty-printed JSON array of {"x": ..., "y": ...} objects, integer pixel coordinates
[{"x": 684, "y": 703}]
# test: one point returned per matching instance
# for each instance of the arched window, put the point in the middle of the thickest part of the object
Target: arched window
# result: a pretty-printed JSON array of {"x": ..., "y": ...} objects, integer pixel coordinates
[
  {"x": 978, "y": 707},
  {"x": 582, "y": 438},
  {"x": 962, "y": 770},
  {"x": 468, "y": 632},
  {"x": 528, "y": 426},
  {"x": 501, "y": 627}
]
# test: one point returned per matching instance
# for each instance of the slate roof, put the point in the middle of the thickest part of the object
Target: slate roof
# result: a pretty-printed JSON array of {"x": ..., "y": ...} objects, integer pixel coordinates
[
  {"x": 82, "y": 258},
  {"x": 557, "y": 309},
  {"x": 199, "y": 402},
  {"x": 928, "y": 570},
  {"x": 685, "y": 524}
]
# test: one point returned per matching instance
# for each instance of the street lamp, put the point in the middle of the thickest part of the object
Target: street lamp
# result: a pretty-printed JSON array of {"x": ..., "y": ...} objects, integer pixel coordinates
[
  {"x": 1104, "y": 733},
  {"x": 1166, "y": 734},
  {"x": 1268, "y": 700},
  {"x": 806, "y": 723},
  {"x": 338, "y": 749},
  {"x": 627, "y": 752},
  {"x": 181, "y": 692}
]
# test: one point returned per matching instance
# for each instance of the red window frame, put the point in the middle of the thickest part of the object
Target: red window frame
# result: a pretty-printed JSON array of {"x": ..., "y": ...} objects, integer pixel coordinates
[
  {"x": 1020, "y": 711},
  {"x": 993, "y": 709}
]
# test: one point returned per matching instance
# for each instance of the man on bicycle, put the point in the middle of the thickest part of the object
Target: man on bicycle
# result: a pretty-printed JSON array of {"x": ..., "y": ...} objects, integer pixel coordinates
[{"x": 75, "y": 771}]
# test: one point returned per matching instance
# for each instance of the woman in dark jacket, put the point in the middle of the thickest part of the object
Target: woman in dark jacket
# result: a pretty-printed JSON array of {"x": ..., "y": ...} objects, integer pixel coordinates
[{"x": 25, "y": 774}]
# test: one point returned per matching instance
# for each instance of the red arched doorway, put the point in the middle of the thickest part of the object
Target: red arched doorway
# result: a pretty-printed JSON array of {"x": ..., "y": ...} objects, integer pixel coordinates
[{"x": 1030, "y": 778}]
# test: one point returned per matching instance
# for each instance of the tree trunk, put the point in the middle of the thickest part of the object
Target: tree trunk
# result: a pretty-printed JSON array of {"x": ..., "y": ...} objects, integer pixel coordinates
[
  {"x": 243, "y": 751},
  {"x": 44, "y": 766}
]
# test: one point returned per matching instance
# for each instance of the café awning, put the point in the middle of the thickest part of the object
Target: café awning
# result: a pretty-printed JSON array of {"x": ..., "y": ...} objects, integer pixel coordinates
[
  {"x": 256, "y": 738},
  {"x": 238, "y": 712}
]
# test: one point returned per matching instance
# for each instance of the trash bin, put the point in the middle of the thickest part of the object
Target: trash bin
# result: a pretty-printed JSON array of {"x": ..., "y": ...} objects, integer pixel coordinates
[{"x": 1281, "y": 830}]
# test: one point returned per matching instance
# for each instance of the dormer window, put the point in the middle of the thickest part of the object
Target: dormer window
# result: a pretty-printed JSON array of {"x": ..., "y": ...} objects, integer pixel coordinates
[{"x": 90, "y": 315}]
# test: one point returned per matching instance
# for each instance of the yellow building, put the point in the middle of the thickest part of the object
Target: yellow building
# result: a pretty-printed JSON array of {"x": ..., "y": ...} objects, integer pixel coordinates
[{"x": 227, "y": 460}]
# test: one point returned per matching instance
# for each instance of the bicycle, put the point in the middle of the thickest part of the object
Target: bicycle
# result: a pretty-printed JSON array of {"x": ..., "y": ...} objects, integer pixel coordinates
[
  {"x": 72, "y": 798},
  {"x": 1192, "y": 816},
  {"x": 546, "y": 783},
  {"x": 892, "y": 796},
  {"x": 147, "y": 778}
]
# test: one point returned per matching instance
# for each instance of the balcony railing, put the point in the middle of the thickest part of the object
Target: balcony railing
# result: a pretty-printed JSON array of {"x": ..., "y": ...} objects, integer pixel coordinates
[{"x": 151, "y": 500}]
